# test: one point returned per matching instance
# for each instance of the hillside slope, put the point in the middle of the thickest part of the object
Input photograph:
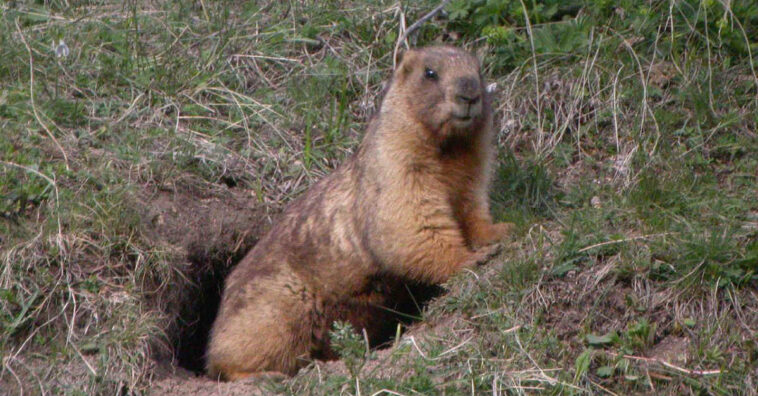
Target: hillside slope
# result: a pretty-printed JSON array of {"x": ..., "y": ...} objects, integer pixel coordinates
[{"x": 146, "y": 146}]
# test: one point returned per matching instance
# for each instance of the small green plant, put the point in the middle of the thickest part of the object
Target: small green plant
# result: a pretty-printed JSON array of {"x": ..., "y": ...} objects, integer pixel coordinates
[
  {"x": 350, "y": 346},
  {"x": 582, "y": 364},
  {"x": 639, "y": 334}
]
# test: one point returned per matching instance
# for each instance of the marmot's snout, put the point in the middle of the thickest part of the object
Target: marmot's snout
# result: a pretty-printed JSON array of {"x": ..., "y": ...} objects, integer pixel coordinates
[{"x": 467, "y": 96}]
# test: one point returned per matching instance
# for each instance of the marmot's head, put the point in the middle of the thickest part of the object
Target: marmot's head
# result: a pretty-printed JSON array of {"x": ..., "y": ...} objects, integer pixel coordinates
[{"x": 443, "y": 89}]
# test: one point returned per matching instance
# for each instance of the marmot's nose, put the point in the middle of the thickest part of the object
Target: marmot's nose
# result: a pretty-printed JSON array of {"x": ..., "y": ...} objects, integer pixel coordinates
[
  {"x": 467, "y": 99},
  {"x": 468, "y": 90}
]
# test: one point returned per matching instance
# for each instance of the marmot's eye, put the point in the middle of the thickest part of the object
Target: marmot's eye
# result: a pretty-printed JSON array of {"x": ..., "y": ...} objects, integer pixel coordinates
[{"x": 430, "y": 74}]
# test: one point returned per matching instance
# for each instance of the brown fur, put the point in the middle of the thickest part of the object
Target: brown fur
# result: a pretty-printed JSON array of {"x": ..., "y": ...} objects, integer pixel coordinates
[{"x": 410, "y": 204}]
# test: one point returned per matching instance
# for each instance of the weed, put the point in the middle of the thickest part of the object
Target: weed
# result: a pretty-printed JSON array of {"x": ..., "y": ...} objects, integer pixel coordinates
[{"x": 350, "y": 346}]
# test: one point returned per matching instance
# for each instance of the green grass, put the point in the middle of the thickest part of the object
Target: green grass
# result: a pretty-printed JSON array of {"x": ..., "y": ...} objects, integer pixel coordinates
[{"x": 628, "y": 159}]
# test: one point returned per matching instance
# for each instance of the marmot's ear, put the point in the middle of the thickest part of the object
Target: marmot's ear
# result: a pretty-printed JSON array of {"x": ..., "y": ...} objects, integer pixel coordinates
[{"x": 406, "y": 60}]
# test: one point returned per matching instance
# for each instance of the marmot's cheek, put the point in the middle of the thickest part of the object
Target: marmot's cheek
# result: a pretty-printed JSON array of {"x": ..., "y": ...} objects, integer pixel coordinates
[
  {"x": 428, "y": 117},
  {"x": 447, "y": 110},
  {"x": 476, "y": 109},
  {"x": 434, "y": 116}
]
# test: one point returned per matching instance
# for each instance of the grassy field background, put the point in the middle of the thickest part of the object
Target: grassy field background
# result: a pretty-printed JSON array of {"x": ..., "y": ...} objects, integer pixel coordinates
[{"x": 146, "y": 145}]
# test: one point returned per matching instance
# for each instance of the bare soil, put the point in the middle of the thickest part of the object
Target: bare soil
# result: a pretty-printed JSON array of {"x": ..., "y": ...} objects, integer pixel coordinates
[{"x": 176, "y": 381}]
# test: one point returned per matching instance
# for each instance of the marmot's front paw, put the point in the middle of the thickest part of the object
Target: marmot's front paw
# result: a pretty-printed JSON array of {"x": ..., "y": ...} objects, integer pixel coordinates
[
  {"x": 491, "y": 233},
  {"x": 484, "y": 254}
]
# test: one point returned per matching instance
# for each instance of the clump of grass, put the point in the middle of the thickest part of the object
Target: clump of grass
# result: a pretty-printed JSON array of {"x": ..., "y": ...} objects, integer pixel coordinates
[{"x": 522, "y": 190}]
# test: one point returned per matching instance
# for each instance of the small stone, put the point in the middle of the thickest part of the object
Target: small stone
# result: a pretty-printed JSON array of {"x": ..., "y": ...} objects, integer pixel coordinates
[{"x": 595, "y": 202}]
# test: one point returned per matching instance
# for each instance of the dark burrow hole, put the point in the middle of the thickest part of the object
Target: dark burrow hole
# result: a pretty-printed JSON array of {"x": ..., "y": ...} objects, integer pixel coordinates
[
  {"x": 199, "y": 307},
  {"x": 229, "y": 181}
]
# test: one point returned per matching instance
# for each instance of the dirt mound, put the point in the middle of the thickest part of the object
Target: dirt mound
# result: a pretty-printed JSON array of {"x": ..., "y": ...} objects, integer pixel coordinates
[
  {"x": 206, "y": 222},
  {"x": 175, "y": 381}
]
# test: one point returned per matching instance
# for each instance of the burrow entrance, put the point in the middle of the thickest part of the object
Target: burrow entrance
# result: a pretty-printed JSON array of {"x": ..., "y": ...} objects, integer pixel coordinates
[
  {"x": 199, "y": 307},
  {"x": 215, "y": 227}
]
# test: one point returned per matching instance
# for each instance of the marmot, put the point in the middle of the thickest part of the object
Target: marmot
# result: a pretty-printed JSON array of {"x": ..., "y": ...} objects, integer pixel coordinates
[{"x": 410, "y": 204}]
